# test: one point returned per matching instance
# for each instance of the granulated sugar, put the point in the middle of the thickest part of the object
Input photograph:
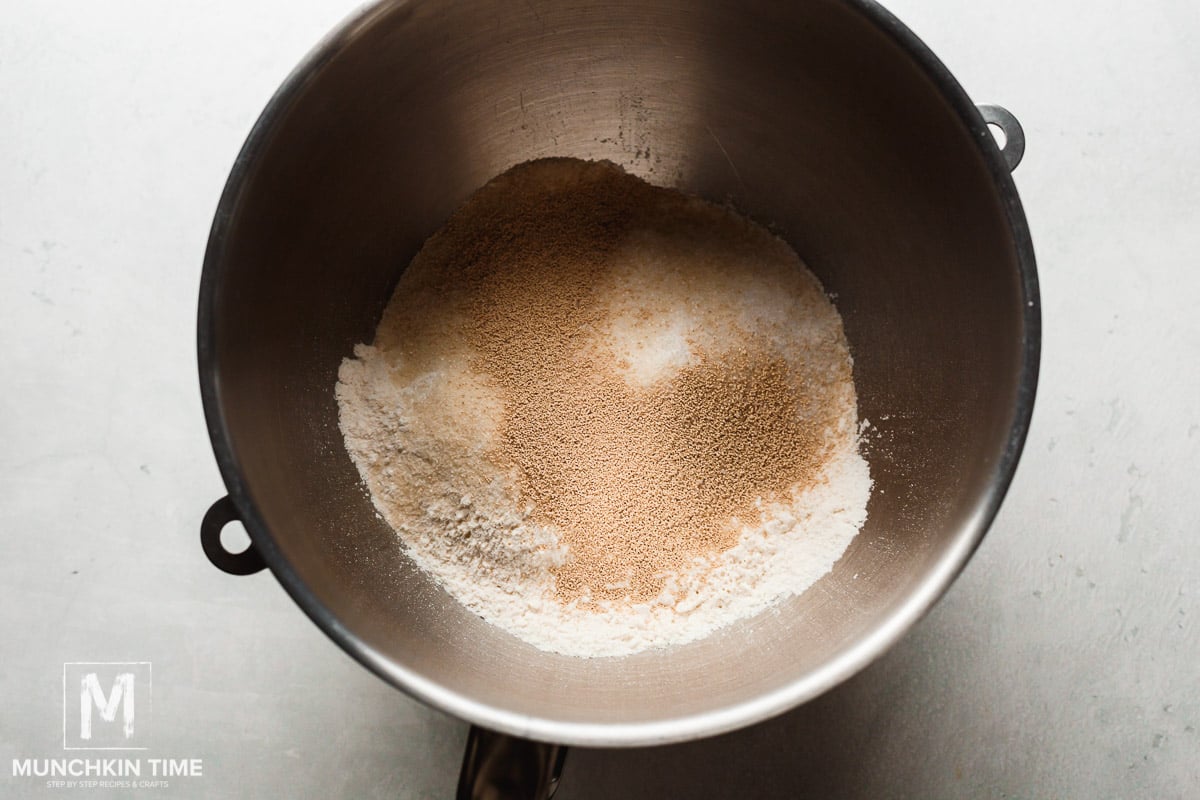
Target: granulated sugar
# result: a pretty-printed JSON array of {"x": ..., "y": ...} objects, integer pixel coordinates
[{"x": 606, "y": 416}]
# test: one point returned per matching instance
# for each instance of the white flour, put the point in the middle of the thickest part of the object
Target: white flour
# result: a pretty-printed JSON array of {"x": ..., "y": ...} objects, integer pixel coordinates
[{"x": 419, "y": 422}]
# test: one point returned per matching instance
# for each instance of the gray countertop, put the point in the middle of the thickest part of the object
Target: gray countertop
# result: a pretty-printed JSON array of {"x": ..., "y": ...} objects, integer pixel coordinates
[{"x": 1065, "y": 662}]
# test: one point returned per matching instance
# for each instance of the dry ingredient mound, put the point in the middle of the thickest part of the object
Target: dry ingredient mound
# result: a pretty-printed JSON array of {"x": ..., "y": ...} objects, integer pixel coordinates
[{"x": 607, "y": 416}]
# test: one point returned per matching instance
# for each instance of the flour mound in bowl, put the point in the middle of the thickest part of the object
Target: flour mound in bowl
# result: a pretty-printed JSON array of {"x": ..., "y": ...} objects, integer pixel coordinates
[{"x": 606, "y": 416}]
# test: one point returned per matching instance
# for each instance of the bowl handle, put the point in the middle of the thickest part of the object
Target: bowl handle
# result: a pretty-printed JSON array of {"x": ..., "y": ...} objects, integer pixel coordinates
[
  {"x": 1014, "y": 135},
  {"x": 501, "y": 767},
  {"x": 220, "y": 514}
]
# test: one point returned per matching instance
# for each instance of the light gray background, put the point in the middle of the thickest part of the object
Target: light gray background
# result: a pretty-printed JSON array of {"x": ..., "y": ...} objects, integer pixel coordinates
[{"x": 1065, "y": 662}]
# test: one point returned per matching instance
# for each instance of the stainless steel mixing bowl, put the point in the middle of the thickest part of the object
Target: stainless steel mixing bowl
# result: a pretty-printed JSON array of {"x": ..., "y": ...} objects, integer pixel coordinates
[{"x": 827, "y": 120}]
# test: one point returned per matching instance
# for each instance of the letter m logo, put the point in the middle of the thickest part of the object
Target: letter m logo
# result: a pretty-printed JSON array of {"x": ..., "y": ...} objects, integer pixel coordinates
[
  {"x": 109, "y": 707},
  {"x": 92, "y": 696}
]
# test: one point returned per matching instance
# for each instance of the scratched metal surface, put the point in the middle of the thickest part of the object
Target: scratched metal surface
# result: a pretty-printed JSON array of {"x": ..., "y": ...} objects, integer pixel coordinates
[{"x": 1062, "y": 664}]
